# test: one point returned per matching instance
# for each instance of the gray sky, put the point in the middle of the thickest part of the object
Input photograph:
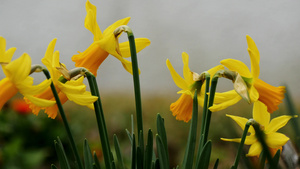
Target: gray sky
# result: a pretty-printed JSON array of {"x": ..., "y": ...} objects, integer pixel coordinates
[{"x": 208, "y": 31}]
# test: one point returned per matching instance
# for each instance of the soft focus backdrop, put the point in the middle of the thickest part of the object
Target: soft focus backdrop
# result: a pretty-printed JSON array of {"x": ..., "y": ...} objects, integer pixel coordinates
[{"x": 208, "y": 31}]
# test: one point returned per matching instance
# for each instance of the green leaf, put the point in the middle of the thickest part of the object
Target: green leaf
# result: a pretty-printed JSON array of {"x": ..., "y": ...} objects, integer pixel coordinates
[
  {"x": 216, "y": 164},
  {"x": 129, "y": 136},
  {"x": 62, "y": 158},
  {"x": 205, "y": 156},
  {"x": 118, "y": 152},
  {"x": 139, "y": 158},
  {"x": 149, "y": 151},
  {"x": 157, "y": 165},
  {"x": 133, "y": 153},
  {"x": 162, "y": 133},
  {"x": 87, "y": 155},
  {"x": 162, "y": 154},
  {"x": 191, "y": 144},
  {"x": 97, "y": 163},
  {"x": 53, "y": 166}
]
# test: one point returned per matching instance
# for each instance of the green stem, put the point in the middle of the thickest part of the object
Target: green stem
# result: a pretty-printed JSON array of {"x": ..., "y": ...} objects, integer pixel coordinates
[
  {"x": 238, "y": 155},
  {"x": 65, "y": 121},
  {"x": 136, "y": 83},
  {"x": 100, "y": 120},
  {"x": 204, "y": 114},
  {"x": 214, "y": 82}
]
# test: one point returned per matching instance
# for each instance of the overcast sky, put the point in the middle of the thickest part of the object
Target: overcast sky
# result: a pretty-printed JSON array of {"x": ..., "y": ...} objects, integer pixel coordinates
[{"x": 208, "y": 31}]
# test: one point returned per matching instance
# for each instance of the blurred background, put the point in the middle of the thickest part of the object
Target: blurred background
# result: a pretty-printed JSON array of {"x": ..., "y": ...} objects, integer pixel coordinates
[{"x": 208, "y": 31}]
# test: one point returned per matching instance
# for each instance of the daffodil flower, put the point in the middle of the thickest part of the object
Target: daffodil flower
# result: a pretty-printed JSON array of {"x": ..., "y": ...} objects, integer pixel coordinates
[
  {"x": 73, "y": 90},
  {"x": 183, "y": 107},
  {"x": 256, "y": 88},
  {"x": 18, "y": 80},
  {"x": 274, "y": 140},
  {"x": 105, "y": 43}
]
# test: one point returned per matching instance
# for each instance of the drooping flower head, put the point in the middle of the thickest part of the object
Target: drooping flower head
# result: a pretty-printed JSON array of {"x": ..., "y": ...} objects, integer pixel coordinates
[
  {"x": 183, "y": 107},
  {"x": 17, "y": 78},
  {"x": 73, "y": 90},
  {"x": 105, "y": 43},
  {"x": 273, "y": 139},
  {"x": 256, "y": 88}
]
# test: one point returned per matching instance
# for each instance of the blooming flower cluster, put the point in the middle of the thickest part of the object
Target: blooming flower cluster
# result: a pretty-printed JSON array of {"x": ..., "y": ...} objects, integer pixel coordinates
[
  {"x": 40, "y": 97},
  {"x": 248, "y": 86}
]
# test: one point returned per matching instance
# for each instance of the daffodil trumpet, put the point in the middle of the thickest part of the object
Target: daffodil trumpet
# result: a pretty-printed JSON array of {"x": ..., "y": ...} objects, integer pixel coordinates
[{"x": 136, "y": 80}]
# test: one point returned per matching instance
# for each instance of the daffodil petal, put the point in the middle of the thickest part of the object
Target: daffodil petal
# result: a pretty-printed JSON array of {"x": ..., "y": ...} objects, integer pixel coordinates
[
  {"x": 26, "y": 89},
  {"x": 260, "y": 113},
  {"x": 5, "y": 56},
  {"x": 48, "y": 58},
  {"x": 179, "y": 81},
  {"x": 69, "y": 87},
  {"x": 248, "y": 141},
  {"x": 140, "y": 44},
  {"x": 275, "y": 140},
  {"x": 253, "y": 94},
  {"x": 187, "y": 74},
  {"x": 82, "y": 99},
  {"x": 237, "y": 66},
  {"x": 226, "y": 103},
  {"x": 241, "y": 121},
  {"x": 90, "y": 21},
  {"x": 254, "y": 57},
  {"x": 115, "y": 25},
  {"x": 255, "y": 149},
  {"x": 40, "y": 102},
  {"x": 18, "y": 69},
  {"x": 277, "y": 123}
]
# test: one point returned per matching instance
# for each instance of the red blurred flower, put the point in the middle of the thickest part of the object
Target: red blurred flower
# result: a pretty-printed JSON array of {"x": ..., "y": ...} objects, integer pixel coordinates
[{"x": 20, "y": 106}]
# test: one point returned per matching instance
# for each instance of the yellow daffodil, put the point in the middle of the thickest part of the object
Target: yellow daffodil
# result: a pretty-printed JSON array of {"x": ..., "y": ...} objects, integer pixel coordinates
[
  {"x": 182, "y": 108},
  {"x": 256, "y": 89},
  {"x": 73, "y": 90},
  {"x": 273, "y": 139},
  {"x": 18, "y": 79},
  {"x": 5, "y": 56},
  {"x": 104, "y": 44}
]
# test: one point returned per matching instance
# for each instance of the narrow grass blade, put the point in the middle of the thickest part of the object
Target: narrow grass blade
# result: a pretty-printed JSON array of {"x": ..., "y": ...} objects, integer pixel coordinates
[
  {"x": 162, "y": 133},
  {"x": 129, "y": 136},
  {"x": 97, "y": 163},
  {"x": 87, "y": 156},
  {"x": 133, "y": 153},
  {"x": 205, "y": 156},
  {"x": 62, "y": 158},
  {"x": 149, "y": 151},
  {"x": 53, "y": 166},
  {"x": 191, "y": 144},
  {"x": 139, "y": 158},
  {"x": 216, "y": 164},
  {"x": 162, "y": 154},
  {"x": 120, "y": 163}
]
